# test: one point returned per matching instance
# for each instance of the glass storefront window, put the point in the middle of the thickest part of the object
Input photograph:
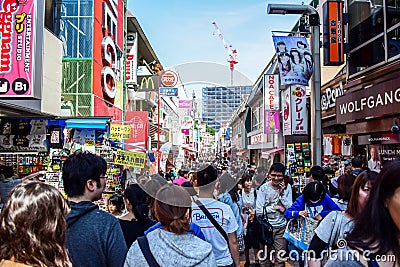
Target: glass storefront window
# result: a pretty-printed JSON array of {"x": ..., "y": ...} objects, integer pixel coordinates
[{"x": 367, "y": 56}]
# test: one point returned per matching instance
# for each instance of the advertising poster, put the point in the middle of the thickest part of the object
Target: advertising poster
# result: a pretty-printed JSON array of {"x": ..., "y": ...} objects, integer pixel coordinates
[
  {"x": 287, "y": 113},
  {"x": 128, "y": 158},
  {"x": 299, "y": 109},
  {"x": 295, "y": 61},
  {"x": 17, "y": 39},
  {"x": 138, "y": 121},
  {"x": 131, "y": 58},
  {"x": 185, "y": 104},
  {"x": 272, "y": 125},
  {"x": 271, "y": 92}
]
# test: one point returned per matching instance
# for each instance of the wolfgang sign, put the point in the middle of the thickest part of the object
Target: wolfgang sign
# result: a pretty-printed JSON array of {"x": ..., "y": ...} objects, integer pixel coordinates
[{"x": 383, "y": 98}]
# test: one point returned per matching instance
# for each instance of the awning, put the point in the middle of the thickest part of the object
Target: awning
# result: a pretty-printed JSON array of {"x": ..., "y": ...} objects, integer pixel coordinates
[
  {"x": 241, "y": 152},
  {"x": 88, "y": 123},
  {"x": 266, "y": 154}
]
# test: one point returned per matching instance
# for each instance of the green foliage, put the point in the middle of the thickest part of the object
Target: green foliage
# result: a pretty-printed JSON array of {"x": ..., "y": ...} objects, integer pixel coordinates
[{"x": 210, "y": 130}]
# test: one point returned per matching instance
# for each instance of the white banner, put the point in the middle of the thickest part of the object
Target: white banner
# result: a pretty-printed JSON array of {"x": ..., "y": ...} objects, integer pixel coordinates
[
  {"x": 287, "y": 113},
  {"x": 271, "y": 92},
  {"x": 299, "y": 109},
  {"x": 131, "y": 58}
]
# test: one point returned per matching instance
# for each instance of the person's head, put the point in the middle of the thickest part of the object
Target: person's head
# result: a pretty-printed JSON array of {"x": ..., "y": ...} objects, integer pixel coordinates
[
  {"x": 7, "y": 172},
  {"x": 206, "y": 178},
  {"x": 276, "y": 173},
  {"x": 281, "y": 47},
  {"x": 317, "y": 173},
  {"x": 171, "y": 208},
  {"x": 362, "y": 187},
  {"x": 378, "y": 224},
  {"x": 374, "y": 152},
  {"x": 33, "y": 226},
  {"x": 284, "y": 57},
  {"x": 136, "y": 201},
  {"x": 308, "y": 57},
  {"x": 295, "y": 56},
  {"x": 313, "y": 192},
  {"x": 356, "y": 163},
  {"x": 116, "y": 204},
  {"x": 182, "y": 173},
  {"x": 345, "y": 186},
  {"x": 83, "y": 175},
  {"x": 301, "y": 45},
  {"x": 246, "y": 180}
]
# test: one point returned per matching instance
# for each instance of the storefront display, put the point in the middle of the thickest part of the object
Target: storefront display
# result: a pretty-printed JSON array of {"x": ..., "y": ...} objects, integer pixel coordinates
[{"x": 298, "y": 158}]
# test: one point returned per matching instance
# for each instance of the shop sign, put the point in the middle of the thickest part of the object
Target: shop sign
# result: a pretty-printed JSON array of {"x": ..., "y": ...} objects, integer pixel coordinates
[
  {"x": 378, "y": 138},
  {"x": 131, "y": 58},
  {"x": 128, "y": 158},
  {"x": 167, "y": 91},
  {"x": 333, "y": 33},
  {"x": 271, "y": 92},
  {"x": 19, "y": 30},
  {"x": 148, "y": 83},
  {"x": 383, "y": 98},
  {"x": 287, "y": 112},
  {"x": 328, "y": 98},
  {"x": 169, "y": 78},
  {"x": 120, "y": 132},
  {"x": 138, "y": 122},
  {"x": 185, "y": 104},
  {"x": 294, "y": 110},
  {"x": 271, "y": 122},
  {"x": 257, "y": 139}
]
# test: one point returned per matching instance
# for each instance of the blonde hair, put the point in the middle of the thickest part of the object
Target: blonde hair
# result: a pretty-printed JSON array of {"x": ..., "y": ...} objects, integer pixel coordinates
[{"x": 33, "y": 226}]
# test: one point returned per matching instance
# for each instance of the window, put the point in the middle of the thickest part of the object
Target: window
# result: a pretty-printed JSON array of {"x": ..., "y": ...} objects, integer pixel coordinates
[{"x": 256, "y": 116}]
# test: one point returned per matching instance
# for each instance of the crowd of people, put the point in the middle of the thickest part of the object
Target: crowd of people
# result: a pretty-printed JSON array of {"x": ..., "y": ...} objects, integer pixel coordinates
[{"x": 207, "y": 217}]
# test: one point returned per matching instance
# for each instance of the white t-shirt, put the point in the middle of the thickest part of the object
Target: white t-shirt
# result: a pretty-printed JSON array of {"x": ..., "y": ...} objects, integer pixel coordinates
[
  {"x": 38, "y": 126},
  {"x": 327, "y": 143},
  {"x": 37, "y": 140},
  {"x": 223, "y": 214},
  {"x": 346, "y": 146}
]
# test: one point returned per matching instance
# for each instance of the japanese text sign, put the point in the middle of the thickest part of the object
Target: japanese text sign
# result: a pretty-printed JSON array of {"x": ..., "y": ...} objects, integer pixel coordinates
[
  {"x": 127, "y": 158},
  {"x": 120, "y": 132}
]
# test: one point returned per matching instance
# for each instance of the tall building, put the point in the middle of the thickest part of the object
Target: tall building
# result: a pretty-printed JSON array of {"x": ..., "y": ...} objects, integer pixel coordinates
[{"x": 220, "y": 102}]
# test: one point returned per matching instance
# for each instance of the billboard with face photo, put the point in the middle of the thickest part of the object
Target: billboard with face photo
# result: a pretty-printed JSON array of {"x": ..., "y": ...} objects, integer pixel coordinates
[{"x": 295, "y": 61}]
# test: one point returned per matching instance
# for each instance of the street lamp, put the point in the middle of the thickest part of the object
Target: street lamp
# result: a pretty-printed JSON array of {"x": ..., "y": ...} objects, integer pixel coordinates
[{"x": 313, "y": 17}]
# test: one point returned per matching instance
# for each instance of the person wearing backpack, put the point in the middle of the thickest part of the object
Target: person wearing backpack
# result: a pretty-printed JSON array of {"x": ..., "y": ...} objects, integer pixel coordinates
[{"x": 274, "y": 197}]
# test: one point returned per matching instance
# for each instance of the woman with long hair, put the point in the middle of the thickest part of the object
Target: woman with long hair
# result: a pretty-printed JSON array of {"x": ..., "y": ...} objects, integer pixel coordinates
[
  {"x": 228, "y": 194},
  {"x": 337, "y": 224},
  {"x": 137, "y": 220},
  {"x": 33, "y": 227},
  {"x": 171, "y": 245},
  {"x": 376, "y": 233}
]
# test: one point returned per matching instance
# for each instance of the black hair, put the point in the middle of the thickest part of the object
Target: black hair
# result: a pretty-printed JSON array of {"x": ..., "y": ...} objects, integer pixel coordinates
[
  {"x": 206, "y": 176},
  {"x": 138, "y": 199},
  {"x": 356, "y": 162},
  {"x": 188, "y": 186},
  {"x": 317, "y": 173},
  {"x": 301, "y": 43},
  {"x": 313, "y": 192},
  {"x": 118, "y": 201},
  {"x": 7, "y": 171},
  {"x": 345, "y": 186},
  {"x": 374, "y": 228},
  {"x": 80, "y": 167},
  {"x": 277, "y": 167}
]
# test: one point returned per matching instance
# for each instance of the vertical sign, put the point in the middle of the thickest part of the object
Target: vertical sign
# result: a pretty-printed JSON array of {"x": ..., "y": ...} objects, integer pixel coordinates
[
  {"x": 271, "y": 122},
  {"x": 271, "y": 92},
  {"x": 18, "y": 32},
  {"x": 333, "y": 33},
  {"x": 131, "y": 58},
  {"x": 299, "y": 109},
  {"x": 286, "y": 105},
  {"x": 138, "y": 120}
]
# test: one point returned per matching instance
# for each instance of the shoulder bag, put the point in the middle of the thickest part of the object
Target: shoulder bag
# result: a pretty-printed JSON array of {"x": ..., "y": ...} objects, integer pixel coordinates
[{"x": 145, "y": 248}]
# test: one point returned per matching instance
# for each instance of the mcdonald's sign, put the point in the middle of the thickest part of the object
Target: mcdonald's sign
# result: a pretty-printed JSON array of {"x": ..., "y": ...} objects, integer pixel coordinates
[{"x": 148, "y": 83}]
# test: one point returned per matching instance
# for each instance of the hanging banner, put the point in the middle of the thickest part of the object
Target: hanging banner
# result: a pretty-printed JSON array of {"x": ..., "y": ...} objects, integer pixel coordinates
[
  {"x": 120, "y": 132},
  {"x": 186, "y": 104},
  {"x": 131, "y": 58},
  {"x": 138, "y": 121},
  {"x": 333, "y": 33},
  {"x": 271, "y": 122},
  {"x": 271, "y": 92},
  {"x": 295, "y": 61},
  {"x": 128, "y": 158},
  {"x": 18, "y": 39},
  {"x": 287, "y": 113},
  {"x": 299, "y": 109}
]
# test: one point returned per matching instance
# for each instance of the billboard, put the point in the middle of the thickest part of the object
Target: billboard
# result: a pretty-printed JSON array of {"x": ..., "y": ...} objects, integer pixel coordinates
[
  {"x": 294, "y": 110},
  {"x": 21, "y": 39},
  {"x": 333, "y": 33},
  {"x": 295, "y": 61},
  {"x": 131, "y": 58},
  {"x": 271, "y": 92},
  {"x": 108, "y": 28}
]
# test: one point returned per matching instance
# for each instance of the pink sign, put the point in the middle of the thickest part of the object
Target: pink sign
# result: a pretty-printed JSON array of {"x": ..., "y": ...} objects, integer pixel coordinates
[
  {"x": 271, "y": 122},
  {"x": 17, "y": 31},
  {"x": 186, "y": 104}
]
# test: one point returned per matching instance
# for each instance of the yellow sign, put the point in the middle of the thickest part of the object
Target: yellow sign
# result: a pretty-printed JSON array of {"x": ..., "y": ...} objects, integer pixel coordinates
[
  {"x": 120, "y": 132},
  {"x": 128, "y": 158}
]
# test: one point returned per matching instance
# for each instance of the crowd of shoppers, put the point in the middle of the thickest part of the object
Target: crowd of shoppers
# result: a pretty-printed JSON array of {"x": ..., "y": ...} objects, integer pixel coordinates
[{"x": 207, "y": 218}]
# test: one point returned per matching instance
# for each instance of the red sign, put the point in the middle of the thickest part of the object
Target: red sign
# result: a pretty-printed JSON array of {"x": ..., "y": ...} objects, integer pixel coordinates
[
  {"x": 333, "y": 33},
  {"x": 138, "y": 120},
  {"x": 169, "y": 78}
]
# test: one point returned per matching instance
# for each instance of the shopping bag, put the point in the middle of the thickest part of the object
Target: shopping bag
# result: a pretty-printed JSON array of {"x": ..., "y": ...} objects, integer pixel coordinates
[{"x": 299, "y": 231}]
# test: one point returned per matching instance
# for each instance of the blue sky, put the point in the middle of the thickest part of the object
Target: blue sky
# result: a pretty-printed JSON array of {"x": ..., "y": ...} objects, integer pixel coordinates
[{"x": 181, "y": 31}]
